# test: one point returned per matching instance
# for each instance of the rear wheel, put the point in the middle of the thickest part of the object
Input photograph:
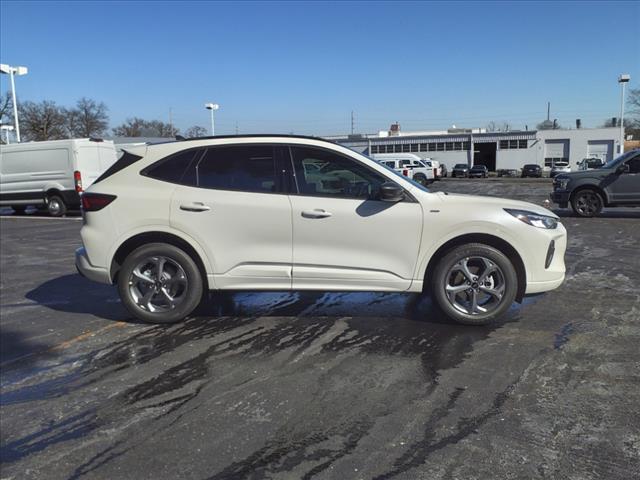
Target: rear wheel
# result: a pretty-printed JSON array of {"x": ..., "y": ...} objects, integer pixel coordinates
[
  {"x": 56, "y": 206},
  {"x": 587, "y": 203},
  {"x": 160, "y": 283},
  {"x": 474, "y": 284},
  {"x": 421, "y": 179}
]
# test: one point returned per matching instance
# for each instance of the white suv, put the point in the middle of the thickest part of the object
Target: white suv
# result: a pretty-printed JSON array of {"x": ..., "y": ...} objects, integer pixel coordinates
[{"x": 167, "y": 222}]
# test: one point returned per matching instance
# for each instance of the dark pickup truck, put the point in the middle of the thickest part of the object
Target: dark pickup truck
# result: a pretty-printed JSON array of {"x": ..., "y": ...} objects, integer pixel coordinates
[{"x": 615, "y": 184}]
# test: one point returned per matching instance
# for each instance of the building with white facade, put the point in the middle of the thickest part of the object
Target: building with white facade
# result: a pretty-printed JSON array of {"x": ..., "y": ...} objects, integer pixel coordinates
[{"x": 496, "y": 150}]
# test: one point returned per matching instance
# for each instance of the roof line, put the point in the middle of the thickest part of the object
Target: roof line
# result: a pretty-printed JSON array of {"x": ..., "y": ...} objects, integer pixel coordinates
[{"x": 247, "y": 135}]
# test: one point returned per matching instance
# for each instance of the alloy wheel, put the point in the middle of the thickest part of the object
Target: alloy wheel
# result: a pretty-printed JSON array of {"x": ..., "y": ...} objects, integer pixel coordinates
[
  {"x": 475, "y": 285},
  {"x": 158, "y": 284},
  {"x": 587, "y": 204}
]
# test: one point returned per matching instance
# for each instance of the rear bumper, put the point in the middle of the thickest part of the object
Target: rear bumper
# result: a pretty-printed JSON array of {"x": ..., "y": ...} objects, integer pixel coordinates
[
  {"x": 84, "y": 267},
  {"x": 538, "y": 287}
]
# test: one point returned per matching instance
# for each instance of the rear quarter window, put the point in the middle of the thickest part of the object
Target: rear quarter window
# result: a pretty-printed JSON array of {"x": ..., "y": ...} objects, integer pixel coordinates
[{"x": 176, "y": 168}]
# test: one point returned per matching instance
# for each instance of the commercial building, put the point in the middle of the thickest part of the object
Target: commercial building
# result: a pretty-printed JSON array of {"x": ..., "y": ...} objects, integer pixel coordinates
[{"x": 496, "y": 150}]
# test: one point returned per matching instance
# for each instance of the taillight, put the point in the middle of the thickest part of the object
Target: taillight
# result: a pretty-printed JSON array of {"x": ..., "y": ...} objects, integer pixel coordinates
[
  {"x": 405, "y": 173},
  {"x": 92, "y": 202},
  {"x": 77, "y": 177}
]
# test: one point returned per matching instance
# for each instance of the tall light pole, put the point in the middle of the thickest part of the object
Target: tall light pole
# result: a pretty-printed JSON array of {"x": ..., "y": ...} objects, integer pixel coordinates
[
  {"x": 623, "y": 80},
  {"x": 12, "y": 71},
  {"x": 213, "y": 107}
]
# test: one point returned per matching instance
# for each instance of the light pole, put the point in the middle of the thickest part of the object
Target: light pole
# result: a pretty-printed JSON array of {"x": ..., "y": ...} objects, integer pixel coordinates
[
  {"x": 213, "y": 107},
  {"x": 623, "y": 80},
  {"x": 12, "y": 71}
]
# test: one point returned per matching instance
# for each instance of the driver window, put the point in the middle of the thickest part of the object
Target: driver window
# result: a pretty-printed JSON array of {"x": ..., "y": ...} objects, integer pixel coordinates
[
  {"x": 634, "y": 165},
  {"x": 328, "y": 174}
]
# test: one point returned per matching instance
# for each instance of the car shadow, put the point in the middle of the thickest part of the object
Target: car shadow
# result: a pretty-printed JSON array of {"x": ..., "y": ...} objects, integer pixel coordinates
[
  {"x": 621, "y": 212},
  {"x": 75, "y": 294}
]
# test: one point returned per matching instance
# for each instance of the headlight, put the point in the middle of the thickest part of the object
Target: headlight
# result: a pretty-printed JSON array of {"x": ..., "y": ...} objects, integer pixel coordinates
[
  {"x": 560, "y": 183},
  {"x": 534, "y": 219}
]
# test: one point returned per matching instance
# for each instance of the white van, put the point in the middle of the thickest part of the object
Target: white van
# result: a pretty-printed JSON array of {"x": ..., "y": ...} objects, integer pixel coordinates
[
  {"x": 400, "y": 162},
  {"x": 51, "y": 173}
]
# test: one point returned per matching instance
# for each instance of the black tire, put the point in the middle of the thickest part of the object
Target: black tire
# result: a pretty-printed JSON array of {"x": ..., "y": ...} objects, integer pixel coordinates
[
  {"x": 188, "y": 293},
  {"x": 421, "y": 179},
  {"x": 471, "y": 254},
  {"x": 56, "y": 206},
  {"x": 586, "y": 203},
  {"x": 19, "y": 209}
]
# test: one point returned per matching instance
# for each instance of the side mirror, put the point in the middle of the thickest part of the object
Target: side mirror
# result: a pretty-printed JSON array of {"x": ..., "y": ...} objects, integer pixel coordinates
[
  {"x": 624, "y": 168},
  {"x": 391, "y": 192}
]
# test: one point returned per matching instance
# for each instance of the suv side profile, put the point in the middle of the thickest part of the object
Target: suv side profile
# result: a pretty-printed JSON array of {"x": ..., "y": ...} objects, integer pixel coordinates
[
  {"x": 168, "y": 222},
  {"x": 615, "y": 184}
]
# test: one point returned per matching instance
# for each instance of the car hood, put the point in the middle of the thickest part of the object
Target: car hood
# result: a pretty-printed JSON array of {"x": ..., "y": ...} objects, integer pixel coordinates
[
  {"x": 598, "y": 173},
  {"x": 493, "y": 202}
]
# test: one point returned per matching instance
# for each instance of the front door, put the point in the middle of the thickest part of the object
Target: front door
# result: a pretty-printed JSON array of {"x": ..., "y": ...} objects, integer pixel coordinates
[
  {"x": 625, "y": 189},
  {"x": 234, "y": 206},
  {"x": 343, "y": 237}
]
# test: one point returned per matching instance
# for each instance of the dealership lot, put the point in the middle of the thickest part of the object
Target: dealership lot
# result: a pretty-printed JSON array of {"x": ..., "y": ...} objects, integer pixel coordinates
[{"x": 322, "y": 385}]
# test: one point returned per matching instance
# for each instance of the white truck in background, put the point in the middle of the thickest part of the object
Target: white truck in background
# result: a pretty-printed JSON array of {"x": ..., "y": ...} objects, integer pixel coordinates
[
  {"x": 51, "y": 174},
  {"x": 409, "y": 165}
]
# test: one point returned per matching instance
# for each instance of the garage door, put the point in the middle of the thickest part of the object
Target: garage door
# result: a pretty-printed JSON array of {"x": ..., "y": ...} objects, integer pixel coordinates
[
  {"x": 602, "y": 149},
  {"x": 556, "y": 152},
  {"x": 556, "y": 149}
]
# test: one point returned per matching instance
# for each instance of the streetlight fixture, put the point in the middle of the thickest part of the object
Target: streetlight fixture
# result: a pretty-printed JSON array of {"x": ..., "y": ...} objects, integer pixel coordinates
[
  {"x": 622, "y": 80},
  {"x": 13, "y": 71},
  {"x": 212, "y": 107},
  {"x": 6, "y": 129}
]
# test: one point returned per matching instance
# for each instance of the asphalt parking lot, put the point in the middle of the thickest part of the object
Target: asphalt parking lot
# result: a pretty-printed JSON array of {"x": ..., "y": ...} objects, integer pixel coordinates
[{"x": 322, "y": 385}]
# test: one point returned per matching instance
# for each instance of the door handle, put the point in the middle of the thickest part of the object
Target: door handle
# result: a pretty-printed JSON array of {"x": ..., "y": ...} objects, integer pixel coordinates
[
  {"x": 316, "y": 213},
  {"x": 195, "y": 207}
]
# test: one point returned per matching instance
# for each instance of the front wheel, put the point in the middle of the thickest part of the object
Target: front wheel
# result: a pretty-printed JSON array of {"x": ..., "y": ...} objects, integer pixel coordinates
[
  {"x": 587, "y": 203},
  {"x": 160, "y": 283},
  {"x": 474, "y": 284}
]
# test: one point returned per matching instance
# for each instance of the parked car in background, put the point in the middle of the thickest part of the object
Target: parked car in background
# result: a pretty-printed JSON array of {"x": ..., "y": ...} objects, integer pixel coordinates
[
  {"x": 171, "y": 221},
  {"x": 615, "y": 184},
  {"x": 409, "y": 165},
  {"x": 590, "y": 163},
  {"x": 532, "y": 170},
  {"x": 559, "y": 167},
  {"x": 480, "y": 171},
  {"x": 51, "y": 174},
  {"x": 508, "y": 172},
  {"x": 460, "y": 170}
]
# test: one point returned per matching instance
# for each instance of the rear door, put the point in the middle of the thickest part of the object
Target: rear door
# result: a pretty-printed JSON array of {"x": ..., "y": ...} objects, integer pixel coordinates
[
  {"x": 343, "y": 237},
  {"x": 88, "y": 163},
  {"x": 231, "y": 202}
]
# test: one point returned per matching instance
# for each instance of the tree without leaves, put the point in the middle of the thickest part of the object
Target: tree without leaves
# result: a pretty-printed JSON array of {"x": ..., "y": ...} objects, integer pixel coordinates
[
  {"x": 137, "y": 127},
  {"x": 548, "y": 125},
  {"x": 633, "y": 101},
  {"x": 6, "y": 109},
  {"x": 88, "y": 119},
  {"x": 196, "y": 131},
  {"x": 42, "y": 121}
]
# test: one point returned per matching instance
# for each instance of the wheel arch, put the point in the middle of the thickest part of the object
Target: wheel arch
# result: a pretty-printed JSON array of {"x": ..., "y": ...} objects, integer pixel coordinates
[
  {"x": 496, "y": 242},
  {"x": 144, "y": 238},
  {"x": 589, "y": 186}
]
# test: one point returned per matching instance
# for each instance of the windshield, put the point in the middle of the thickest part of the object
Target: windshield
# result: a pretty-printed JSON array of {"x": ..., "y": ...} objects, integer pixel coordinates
[
  {"x": 414, "y": 183},
  {"x": 616, "y": 161}
]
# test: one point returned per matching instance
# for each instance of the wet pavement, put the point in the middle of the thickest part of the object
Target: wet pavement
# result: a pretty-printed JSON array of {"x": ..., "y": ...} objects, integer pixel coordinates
[{"x": 321, "y": 385}]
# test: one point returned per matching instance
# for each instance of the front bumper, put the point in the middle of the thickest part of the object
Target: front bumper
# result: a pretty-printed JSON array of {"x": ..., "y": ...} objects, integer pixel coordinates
[
  {"x": 560, "y": 197},
  {"x": 84, "y": 267}
]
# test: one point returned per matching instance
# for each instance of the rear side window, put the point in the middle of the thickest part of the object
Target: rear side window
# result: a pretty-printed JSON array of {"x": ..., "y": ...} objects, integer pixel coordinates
[
  {"x": 247, "y": 168},
  {"x": 177, "y": 168}
]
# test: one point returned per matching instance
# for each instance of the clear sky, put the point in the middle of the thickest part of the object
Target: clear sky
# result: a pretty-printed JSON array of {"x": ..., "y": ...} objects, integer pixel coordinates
[{"x": 303, "y": 67}]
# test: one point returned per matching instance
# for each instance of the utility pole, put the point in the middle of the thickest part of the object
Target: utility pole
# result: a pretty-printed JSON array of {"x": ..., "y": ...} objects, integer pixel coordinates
[
  {"x": 351, "y": 122},
  {"x": 548, "y": 110}
]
